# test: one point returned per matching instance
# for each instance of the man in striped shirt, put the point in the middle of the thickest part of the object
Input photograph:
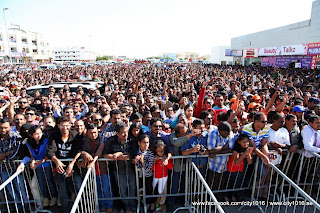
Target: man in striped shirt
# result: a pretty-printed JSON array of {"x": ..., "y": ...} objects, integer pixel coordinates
[
  {"x": 258, "y": 133},
  {"x": 220, "y": 141}
]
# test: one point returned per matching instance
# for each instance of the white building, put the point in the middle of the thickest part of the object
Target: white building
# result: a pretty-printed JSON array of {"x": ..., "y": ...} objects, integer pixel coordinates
[
  {"x": 218, "y": 55},
  {"x": 172, "y": 56},
  {"x": 73, "y": 54},
  {"x": 300, "y": 33},
  {"x": 23, "y": 46}
]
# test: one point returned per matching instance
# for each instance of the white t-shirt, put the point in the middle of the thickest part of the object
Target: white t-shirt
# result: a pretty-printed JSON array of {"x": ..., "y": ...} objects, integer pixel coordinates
[{"x": 280, "y": 136}]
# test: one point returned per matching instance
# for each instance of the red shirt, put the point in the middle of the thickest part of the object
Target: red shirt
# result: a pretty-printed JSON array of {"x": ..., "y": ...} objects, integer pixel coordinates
[{"x": 161, "y": 171}]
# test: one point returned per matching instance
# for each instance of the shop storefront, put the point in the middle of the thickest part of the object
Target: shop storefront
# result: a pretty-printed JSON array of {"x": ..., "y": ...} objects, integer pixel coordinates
[
  {"x": 286, "y": 56},
  {"x": 314, "y": 51}
]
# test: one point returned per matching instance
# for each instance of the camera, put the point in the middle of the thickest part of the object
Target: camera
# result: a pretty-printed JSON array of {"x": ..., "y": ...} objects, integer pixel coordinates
[{"x": 202, "y": 148}]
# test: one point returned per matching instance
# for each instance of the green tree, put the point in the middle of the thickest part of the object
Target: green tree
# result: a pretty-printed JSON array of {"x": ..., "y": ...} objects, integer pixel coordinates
[{"x": 103, "y": 58}]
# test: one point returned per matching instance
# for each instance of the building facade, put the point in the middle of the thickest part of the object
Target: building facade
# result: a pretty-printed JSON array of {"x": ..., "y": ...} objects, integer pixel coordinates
[
  {"x": 287, "y": 44},
  {"x": 73, "y": 54},
  {"x": 218, "y": 55},
  {"x": 23, "y": 46}
]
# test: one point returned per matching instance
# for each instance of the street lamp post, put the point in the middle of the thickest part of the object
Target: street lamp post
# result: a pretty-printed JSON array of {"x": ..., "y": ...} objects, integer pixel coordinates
[{"x": 5, "y": 22}]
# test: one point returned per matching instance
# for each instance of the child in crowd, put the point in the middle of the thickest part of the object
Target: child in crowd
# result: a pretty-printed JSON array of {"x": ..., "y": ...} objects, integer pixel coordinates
[
  {"x": 241, "y": 151},
  {"x": 145, "y": 159},
  {"x": 37, "y": 145},
  {"x": 160, "y": 176}
]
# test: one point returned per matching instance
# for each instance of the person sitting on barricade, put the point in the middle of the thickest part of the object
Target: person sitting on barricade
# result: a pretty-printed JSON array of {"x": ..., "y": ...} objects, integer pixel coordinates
[
  {"x": 220, "y": 141},
  {"x": 10, "y": 144},
  {"x": 64, "y": 145},
  {"x": 93, "y": 146},
  {"x": 117, "y": 148},
  {"x": 160, "y": 176},
  {"x": 37, "y": 144},
  {"x": 197, "y": 145},
  {"x": 145, "y": 159}
]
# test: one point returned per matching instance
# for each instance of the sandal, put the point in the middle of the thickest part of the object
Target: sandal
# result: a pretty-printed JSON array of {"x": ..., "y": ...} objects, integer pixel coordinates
[{"x": 158, "y": 208}]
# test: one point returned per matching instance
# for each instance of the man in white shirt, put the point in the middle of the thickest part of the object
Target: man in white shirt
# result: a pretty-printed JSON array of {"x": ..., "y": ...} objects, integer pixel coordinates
[
  {"x": 311, "y": 136},
  {"x": 311, "y": 141},
  {"x": 279, "y": 138}
]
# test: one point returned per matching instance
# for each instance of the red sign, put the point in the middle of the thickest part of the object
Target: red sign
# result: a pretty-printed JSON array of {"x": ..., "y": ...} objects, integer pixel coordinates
[
  {"x": 313, "y": 62},
  {"x": 250, "y": 53},
  {"x": 312, "y": 45}
]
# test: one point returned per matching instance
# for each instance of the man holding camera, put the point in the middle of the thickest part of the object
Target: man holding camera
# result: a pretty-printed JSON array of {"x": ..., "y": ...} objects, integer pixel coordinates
[{"x": 197, "y": 145}]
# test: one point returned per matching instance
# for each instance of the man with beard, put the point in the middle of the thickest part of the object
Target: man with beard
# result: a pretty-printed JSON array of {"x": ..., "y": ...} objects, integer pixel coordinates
[
  {"x": 19, "y": 120},
  {"x": 23, "y": 105}
]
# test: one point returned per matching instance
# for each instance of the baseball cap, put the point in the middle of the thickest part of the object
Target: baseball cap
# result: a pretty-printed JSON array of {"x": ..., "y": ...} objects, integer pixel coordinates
[
  {"x": 298, "y": 108},
  {"x": 256, "y": 97}
]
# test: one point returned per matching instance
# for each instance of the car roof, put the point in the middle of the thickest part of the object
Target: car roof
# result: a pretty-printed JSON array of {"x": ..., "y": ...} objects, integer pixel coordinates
[{"x": 86, "y": 84}]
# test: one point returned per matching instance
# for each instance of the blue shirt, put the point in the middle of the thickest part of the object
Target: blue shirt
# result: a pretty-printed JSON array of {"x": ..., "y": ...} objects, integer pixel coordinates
[
  {"x": 193, "y": 141},
  {"x": 219, "y": 163}
]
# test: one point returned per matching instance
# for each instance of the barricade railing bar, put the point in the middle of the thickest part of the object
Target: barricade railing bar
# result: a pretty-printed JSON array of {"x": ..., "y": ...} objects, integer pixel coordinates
[
  {"x": 87, "y": 198},
  {"x": 120, "y": 181}
]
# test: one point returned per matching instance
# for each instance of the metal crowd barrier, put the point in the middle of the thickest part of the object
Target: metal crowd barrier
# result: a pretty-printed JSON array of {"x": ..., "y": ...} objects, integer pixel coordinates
[
  {"x": 87, "y": 197},
  {"x": 199, "y": 196},
  {"x": 14, "y": 191},
  {"x": 273, "y": 191},
  {"x": 294, "y": 180}
]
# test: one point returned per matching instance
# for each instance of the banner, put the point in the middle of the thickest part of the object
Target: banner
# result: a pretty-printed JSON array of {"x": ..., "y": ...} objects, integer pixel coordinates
[
  {"x": 237, "y": 53},
  {"x": 313, "y": 48},
  {"x": 284, "y": 61},
  {"x": 250, "y": 53},
  {"x": 299, "y": 49},
  {"x": 314, "y": 62},
  {"x": 227, "y": 52}
]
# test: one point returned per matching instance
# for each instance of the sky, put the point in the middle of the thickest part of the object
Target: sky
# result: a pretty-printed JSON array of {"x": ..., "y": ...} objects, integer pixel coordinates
[{"x": 142, "y": 28}]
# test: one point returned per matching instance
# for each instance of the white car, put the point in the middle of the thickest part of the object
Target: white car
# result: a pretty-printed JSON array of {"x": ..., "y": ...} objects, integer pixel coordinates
[
  {"x": 48, "y": 66},
  {"x": 44, "y": 88}
]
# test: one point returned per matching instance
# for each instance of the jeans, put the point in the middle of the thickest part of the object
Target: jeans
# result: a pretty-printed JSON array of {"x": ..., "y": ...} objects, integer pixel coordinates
[
  {"x": 64, "y": 185},
  {"x": 45, "y": 179},
  {"x": 127, "y": 183},
  {"x": 19, "y": 190},
  {"x": 104, "y": 191}
]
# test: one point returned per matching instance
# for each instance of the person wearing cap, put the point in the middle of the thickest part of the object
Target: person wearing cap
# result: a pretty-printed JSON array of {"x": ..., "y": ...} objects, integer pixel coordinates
[
  {"x": 256, "y": 98},
  {"x": 298, "y": 111}
]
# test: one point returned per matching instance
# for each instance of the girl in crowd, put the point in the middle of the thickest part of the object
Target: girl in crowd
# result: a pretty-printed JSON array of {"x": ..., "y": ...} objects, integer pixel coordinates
[
  {"x": 241, "y": 151},
  {"x": 37, "y": 145},
  {"x": 160, "y": 176},
  {"x": 145, "y": 159}
]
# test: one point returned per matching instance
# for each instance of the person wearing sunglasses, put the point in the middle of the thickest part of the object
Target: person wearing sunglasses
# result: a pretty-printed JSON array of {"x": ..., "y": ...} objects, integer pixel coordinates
[
  {"x": 31, "y": 116},
  {"x": 97, "y": 120},
  {"x": 258, "y": 133}
]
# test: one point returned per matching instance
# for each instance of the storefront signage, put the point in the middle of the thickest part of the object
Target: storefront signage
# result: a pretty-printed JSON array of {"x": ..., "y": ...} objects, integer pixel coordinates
[
  {"x": 299, "y": 49},
  {"x": 237, "y": 53},
  {"x": 250, "y": 53},
  {"x": 284, "y": 61},
  {"x": 314, "y": 48}
]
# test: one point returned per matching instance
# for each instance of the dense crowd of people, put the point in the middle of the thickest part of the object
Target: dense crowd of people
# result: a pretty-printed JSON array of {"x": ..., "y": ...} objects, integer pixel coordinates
[{"x": 143, "y": 115}]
